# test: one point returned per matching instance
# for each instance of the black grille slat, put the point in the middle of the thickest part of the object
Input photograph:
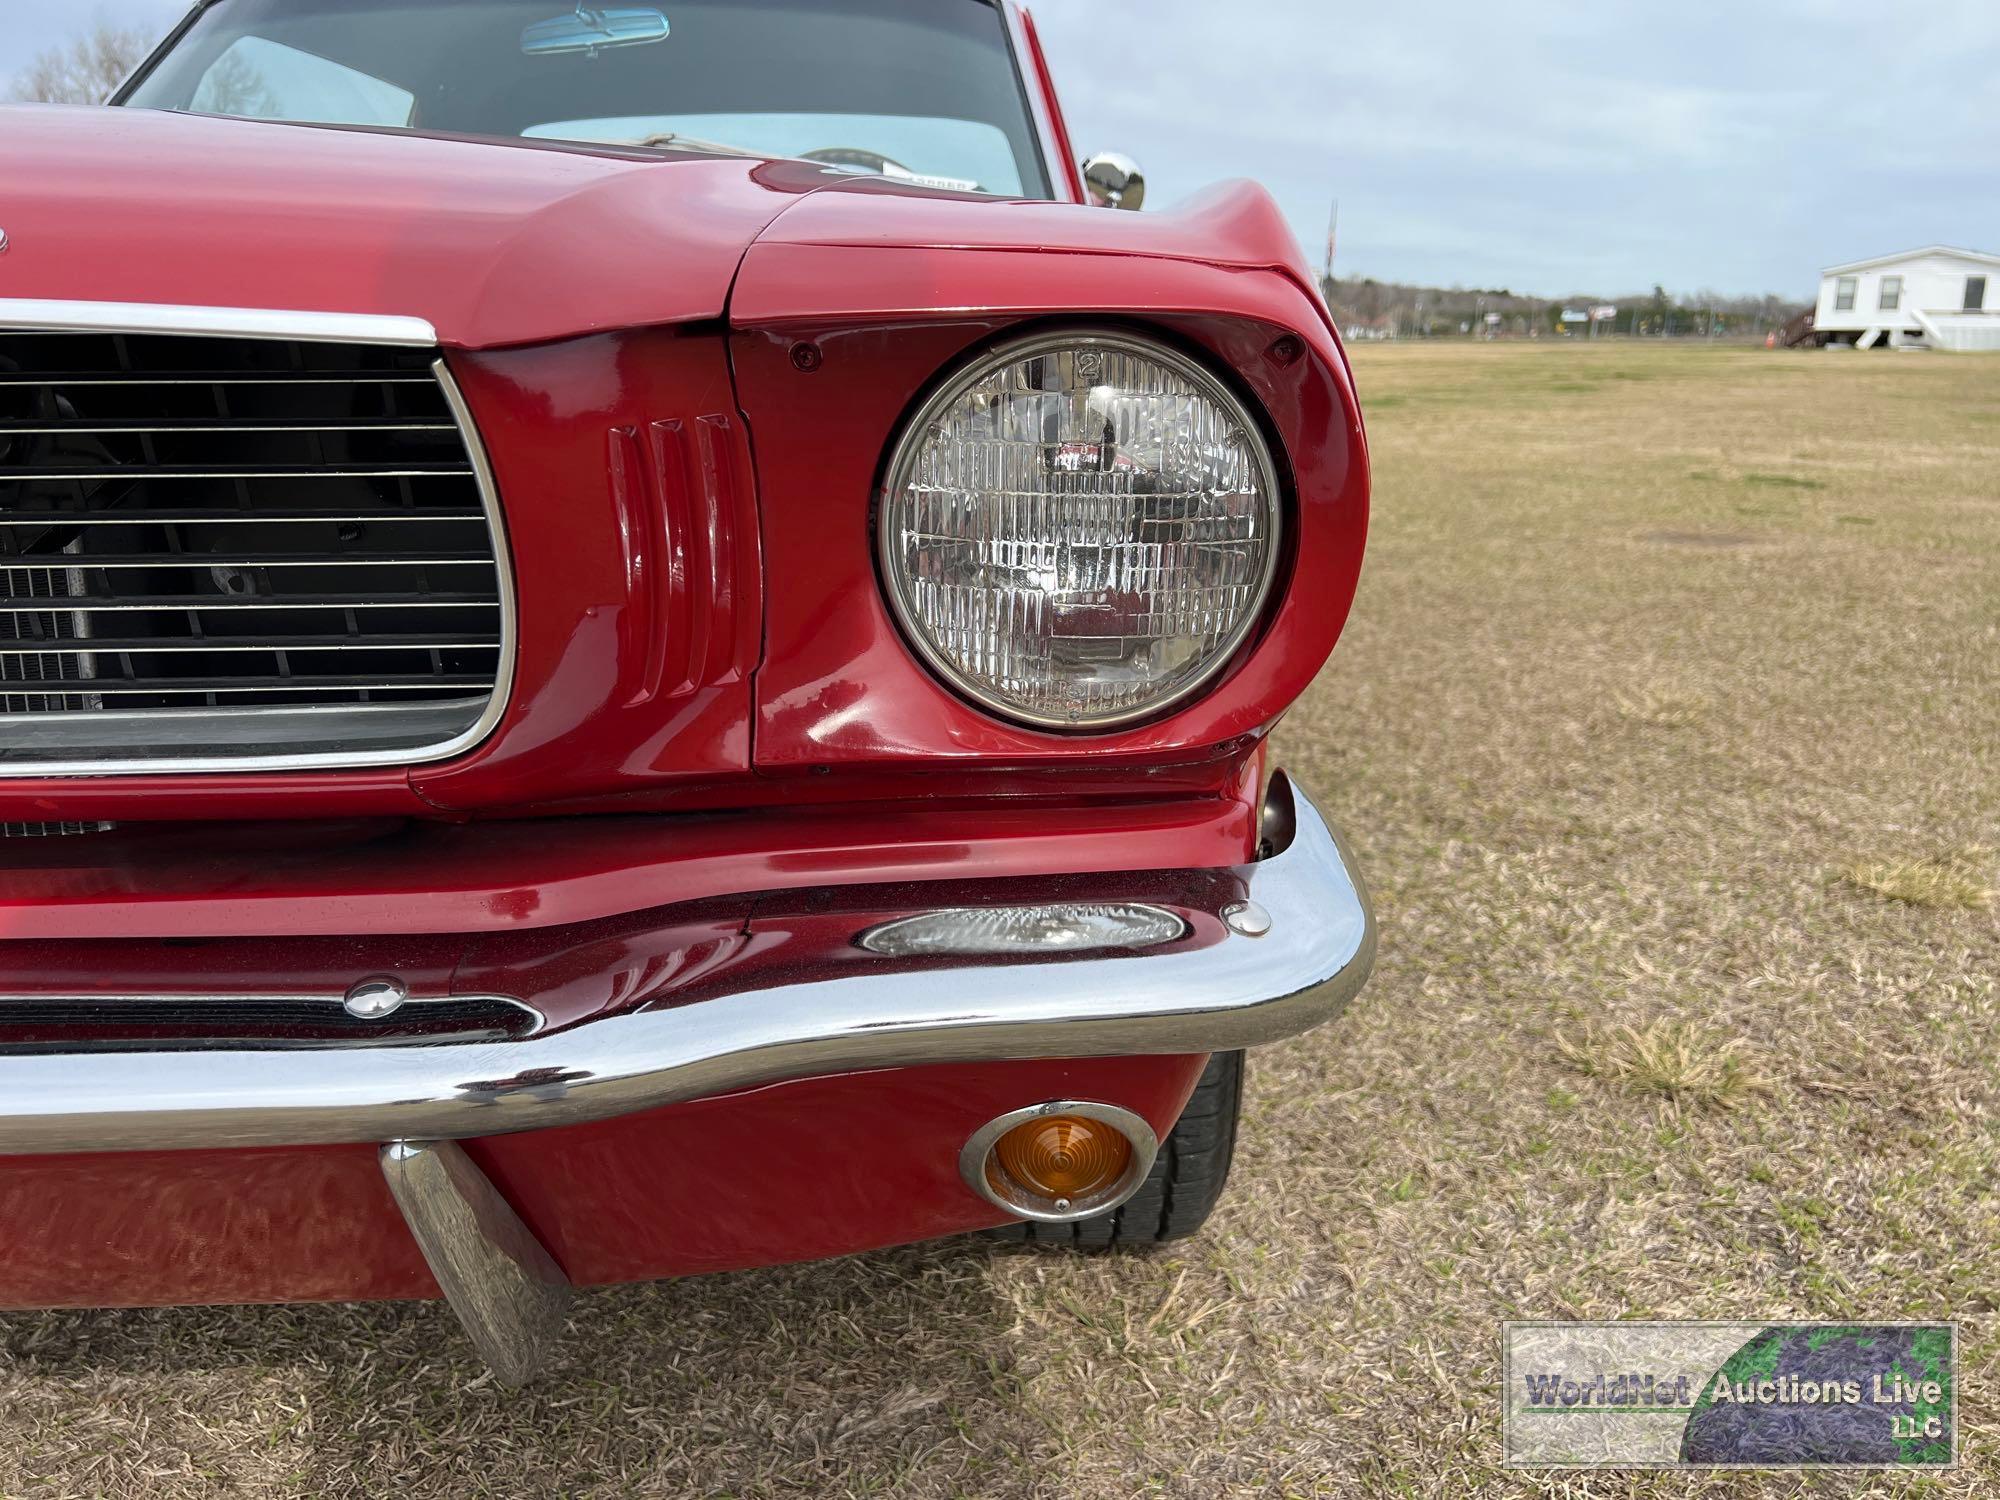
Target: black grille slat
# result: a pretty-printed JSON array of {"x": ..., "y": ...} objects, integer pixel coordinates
[
  {"x": 300, "y": 559},
  {"x": 298, "y": 516},
  {"x": 195, "y": 425},
  {"x": 196, "y": 382},
  {"x": 106, "y": 687},
  {"x": 140, "y": 645},
  {"x": 192, "y": 522},
  {"x": 203, "y": 604},
  {"x": 132, "y": 473}
]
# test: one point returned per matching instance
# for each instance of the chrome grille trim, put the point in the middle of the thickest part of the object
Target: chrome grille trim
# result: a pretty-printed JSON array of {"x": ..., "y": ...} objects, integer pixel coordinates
[
  {"x": 221, "y": 322},
  {"x": 51, "y": 711}
]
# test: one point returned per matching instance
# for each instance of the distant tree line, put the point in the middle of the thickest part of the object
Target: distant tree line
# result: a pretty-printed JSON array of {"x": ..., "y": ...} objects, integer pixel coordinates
[
  {"x": 87, "y": 71},
  {"x": 1404, "y": 310}
]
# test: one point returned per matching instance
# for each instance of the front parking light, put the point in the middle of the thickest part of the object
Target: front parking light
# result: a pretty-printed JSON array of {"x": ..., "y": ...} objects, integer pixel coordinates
[{"x": 1061, "y": 1161}]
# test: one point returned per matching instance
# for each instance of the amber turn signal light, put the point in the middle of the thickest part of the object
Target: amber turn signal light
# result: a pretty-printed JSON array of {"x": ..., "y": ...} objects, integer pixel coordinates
[
  {"x": 1059, "y": 1161},
  {"x": 1061, "y": 1157}
]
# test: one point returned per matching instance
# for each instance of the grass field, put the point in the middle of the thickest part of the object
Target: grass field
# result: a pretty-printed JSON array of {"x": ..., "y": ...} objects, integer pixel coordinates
[{"x": 1666, "y": 730}]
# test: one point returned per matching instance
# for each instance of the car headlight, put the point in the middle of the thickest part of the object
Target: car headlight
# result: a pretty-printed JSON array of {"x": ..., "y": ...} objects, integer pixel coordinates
[{"x": 1080, "y": 529}]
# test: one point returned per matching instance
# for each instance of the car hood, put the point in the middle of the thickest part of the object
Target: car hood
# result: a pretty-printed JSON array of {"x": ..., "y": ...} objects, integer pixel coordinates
[{"x": 492, "y": 243}]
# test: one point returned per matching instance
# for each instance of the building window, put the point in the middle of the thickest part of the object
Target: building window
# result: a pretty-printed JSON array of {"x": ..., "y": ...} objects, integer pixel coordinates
[
  {"x": 1975, "y": 294},
  {"x": 1843, "y": 294},
  {"x": 1892, "y": 293}
]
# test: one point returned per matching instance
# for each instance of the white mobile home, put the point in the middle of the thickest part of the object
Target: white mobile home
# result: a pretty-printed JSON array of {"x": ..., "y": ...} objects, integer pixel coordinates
[{"x": 1937, "y": 298}]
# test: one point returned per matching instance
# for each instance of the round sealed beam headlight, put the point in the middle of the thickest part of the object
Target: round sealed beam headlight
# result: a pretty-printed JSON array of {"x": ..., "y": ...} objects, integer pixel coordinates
[{"x": 1080, "y": 529}]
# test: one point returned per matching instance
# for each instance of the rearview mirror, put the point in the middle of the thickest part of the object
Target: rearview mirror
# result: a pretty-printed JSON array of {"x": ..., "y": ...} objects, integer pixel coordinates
[
  {"x": 590, "y": 29},
  {"x": 1114, "y": 181}
]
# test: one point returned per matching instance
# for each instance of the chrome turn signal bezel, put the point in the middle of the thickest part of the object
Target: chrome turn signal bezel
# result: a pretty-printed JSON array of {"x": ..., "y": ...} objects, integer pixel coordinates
[{"x": 973, "y": 1161}]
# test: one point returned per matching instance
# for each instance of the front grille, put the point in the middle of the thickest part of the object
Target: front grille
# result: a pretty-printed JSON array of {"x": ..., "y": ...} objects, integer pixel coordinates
[{"x": 224, "y": 550}]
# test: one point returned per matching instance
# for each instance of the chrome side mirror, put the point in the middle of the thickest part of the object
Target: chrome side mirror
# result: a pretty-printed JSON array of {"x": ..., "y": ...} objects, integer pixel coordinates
[{"x": 1114, "y": 180}]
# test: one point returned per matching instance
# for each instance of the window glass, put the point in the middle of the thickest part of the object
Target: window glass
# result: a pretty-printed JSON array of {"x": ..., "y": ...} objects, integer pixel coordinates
[
  {"x": 920, "y": 89},
  {"x": 270, "y": 81},
  {"x": 1892, "y": 293},
  {"x": 1843, "y": 294},
  {"x": 964, "y": 154},
  {"x": 1975, "y": 294}
]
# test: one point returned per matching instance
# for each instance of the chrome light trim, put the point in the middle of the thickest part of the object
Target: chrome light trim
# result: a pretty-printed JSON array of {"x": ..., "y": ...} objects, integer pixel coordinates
[
  {"x": 953, "y": 386},
  {"x": 1138, "y": 1134},
  {"x": 222, "y": 322},
  {"x": 1217, "y": 992},
  {"x": 132, "y": 317}
]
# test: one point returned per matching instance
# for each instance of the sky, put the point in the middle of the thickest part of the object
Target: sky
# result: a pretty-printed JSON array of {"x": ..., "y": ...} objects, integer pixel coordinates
[{"x": 1546, "y": 146}]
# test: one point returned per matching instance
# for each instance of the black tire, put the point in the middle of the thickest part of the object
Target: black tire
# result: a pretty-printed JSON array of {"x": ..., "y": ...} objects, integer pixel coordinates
[{"x": 1185, "y": 1184}]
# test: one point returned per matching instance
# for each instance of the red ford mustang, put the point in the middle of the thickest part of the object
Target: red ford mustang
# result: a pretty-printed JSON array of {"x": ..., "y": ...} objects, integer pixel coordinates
[{"x": 637, "y": 641}]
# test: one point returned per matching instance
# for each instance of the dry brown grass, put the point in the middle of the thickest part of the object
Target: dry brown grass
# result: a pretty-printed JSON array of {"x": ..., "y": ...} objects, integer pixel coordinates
[
  {"x": 1686, "y": 1062},
  {"x": 1547, "y": 864},
  {"x": 1662, "y": 707},
  {"x": 1921, "y": 882}
]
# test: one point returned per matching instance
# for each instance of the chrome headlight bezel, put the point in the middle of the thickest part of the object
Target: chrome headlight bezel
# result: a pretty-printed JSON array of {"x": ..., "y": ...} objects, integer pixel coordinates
[{"x": 952, "y": 388}]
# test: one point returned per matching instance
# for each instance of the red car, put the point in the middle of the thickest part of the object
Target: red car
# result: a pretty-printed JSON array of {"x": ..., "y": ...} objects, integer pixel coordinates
[{"x": 636, "y": 641}]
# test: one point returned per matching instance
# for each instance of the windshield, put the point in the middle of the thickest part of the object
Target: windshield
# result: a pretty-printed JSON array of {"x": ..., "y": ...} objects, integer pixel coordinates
[{"x": 924, "y": 90}]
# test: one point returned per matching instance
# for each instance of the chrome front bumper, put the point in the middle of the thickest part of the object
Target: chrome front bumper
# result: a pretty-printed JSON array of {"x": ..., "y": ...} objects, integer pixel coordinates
[
  {"x": 1266, "y": 950},
  {"x": 1219, "y": 989}
]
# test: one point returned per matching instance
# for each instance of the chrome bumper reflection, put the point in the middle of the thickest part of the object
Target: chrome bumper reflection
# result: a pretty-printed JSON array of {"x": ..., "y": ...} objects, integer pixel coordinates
[{"x": 1274, "y": 948}]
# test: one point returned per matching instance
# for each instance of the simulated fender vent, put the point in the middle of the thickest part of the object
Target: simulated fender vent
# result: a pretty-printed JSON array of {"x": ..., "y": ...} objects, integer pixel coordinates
[
  {"x": 51, "y": 830},
  {"x": 229, "y": 553},
  {"x": 690, "y": 554}
]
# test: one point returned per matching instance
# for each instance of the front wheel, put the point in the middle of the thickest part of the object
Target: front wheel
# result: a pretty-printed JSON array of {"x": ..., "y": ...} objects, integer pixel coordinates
[{"x": 1186, "y": 1181}]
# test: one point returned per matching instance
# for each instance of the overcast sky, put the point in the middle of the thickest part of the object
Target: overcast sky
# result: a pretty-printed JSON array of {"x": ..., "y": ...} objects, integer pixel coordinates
[{"x": 1547, "y": 146}]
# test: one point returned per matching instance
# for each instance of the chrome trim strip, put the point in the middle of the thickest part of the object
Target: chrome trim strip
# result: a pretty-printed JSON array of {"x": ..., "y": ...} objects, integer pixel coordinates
[
  {"x": 122, "y": 1021},
  {"x": 221, "y": 999},
  {"x": 1036, "y": 97},
  {"x": 1232, "y": 991},
  {"x": 224, "y": 322},
  {"x": 458, "y": 744}
]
